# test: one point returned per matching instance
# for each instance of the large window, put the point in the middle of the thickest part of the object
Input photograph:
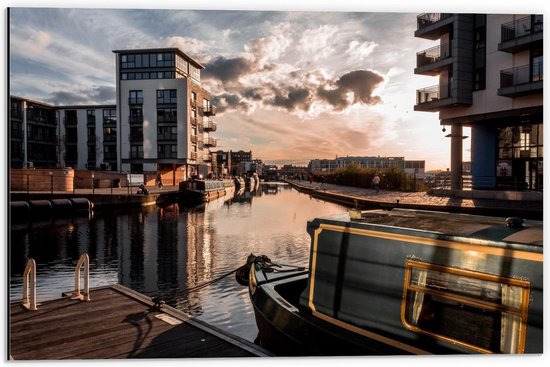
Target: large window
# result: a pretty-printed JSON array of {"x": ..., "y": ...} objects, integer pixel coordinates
[
  {"x": 109, "y": 135},
  {"x": 136, "y": 151},
  {"x": 483, "y": 312},
  {"x": 90, "y": 117},
  {"x": 153, "y": 60},
  {"x": 167, "y": 133},
  {"x": 167, "y": 96},
  {"x": 136, "y": 97},
  {"x": 520, "y": 141},
  {"x": 167, "y": 115},
  {"x": 167, "y": 150},
  {"x": 109, "y": 116}
]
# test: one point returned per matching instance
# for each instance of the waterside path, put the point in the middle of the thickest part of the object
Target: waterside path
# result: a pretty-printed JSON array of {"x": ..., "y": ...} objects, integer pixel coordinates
[{"x": 383, "y": 199}]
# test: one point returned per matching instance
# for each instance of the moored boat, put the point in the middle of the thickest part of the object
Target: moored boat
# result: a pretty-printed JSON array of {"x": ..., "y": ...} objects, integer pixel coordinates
[
  {"x": 202, "y": 190},
  {"x": 405, "y": 282}
]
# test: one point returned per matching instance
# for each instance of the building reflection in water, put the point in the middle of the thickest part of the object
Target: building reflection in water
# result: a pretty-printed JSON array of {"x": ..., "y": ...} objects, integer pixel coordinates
[{"x": 164, "y": 251}]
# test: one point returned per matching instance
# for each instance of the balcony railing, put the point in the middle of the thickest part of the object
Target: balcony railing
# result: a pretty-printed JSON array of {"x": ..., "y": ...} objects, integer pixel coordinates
[
  {"x": 194, "y": 139},
  {"x": 433, "y": 55},
  {"x": 209, "y": 142},
  {"x": 209, "y": 126},
  {"x": 426, "y": 19},
  {"x": 167, "y": 137},
  {"x": 433, "y": 93},
  {"x": 135, "y": 120},
  {"x": 193, "y": 121},
  {"x": 209, "y": 111},
  {"x": 193, "y": 156},
  {"x": 136, "y": 138},
  {"x": 521, "y": 75},
  {"x": 167, "y": 119},
  {"x": 193, "y": 102},
  {"x": 520, "y": 27},
  {"x": 207, "y": 158},
  {"x": 135, "y": 101}
]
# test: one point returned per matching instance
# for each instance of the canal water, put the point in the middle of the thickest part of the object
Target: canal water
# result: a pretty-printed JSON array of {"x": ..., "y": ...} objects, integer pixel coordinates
[{"x": 164, "y": 251}]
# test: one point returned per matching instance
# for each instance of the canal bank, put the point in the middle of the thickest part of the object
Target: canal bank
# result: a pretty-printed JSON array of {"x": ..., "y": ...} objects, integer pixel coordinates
[
  {"x": 106, "y": 198},
  {"x": 387, "y": 200}
]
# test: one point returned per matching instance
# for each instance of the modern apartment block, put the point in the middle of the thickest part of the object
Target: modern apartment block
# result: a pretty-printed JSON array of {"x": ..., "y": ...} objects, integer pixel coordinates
[
  {"x": 317, "y": 166},
  {"x": 164, "y": 114},
  {"x": 490, "y": 70},
  {"x": 33, "y": 134},
  {"x": 162, "y": 122}
]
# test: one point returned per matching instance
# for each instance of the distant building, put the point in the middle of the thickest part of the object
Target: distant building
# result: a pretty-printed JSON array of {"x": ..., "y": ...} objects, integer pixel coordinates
[
  {"x": 490, "y": 70},
  {"x": 289, "y": 170},
  {"x": 416, "y": 169},
  {"x": 318, "y": 166},
  {"x": 249, "y": 168}
]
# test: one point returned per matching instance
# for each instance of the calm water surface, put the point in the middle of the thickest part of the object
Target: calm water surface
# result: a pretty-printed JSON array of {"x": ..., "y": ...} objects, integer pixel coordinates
[{"x": 164, "y": 251}]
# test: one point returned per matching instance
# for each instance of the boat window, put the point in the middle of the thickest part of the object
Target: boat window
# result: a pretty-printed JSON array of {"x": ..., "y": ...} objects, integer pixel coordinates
[{"x": 483, "y": 312}]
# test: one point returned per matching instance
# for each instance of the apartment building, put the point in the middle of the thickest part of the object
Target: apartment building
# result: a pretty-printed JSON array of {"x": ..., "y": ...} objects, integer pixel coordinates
[
  {"x": 317, "y": 166},
  {"x": 162, "y": 122},
  {"x": 165, "y": 118},
  {"x": 490, "y": 71},
  {"x": 33, "y": 134}
]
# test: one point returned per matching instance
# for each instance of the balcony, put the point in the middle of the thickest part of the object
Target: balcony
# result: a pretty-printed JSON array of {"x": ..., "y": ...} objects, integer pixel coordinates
[
  {"x": 434, "y": 60},
  {"x": 193, "y": 156},
  {"x": 194, "y": 139},
  {"x": 135, "y": 101},
  {"x": 433, "y": 25},
  {"x": 521, "y": 80},
  {"x": 193, "y": 103},
  {"x": 135, "y": 120},
  {"x": 519, "y": 34},
  {"x": 433, "y": 98},
  {"x": 193, "y": 121},
  {"x": 209, "y": 142},
  {"x": 207, "y": 158},
  {"x": 209, "y": 126},
  {"x": 136, "y": 138},
  {"x": 209, "y": 111}
]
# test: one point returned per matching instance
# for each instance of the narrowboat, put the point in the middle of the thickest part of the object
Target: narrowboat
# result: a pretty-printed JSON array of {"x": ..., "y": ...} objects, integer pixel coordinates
[
  {"x": 404, "y": 282},
  {"x": 202, "y": 190}
]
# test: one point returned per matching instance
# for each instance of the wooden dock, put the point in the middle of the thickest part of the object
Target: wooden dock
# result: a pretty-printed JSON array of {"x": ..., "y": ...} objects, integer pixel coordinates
[{"x": 116, "y": 323}]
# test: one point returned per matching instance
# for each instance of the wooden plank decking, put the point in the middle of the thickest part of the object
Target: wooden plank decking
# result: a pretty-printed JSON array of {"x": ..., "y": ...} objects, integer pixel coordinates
[{"x": 116, "y": 323}]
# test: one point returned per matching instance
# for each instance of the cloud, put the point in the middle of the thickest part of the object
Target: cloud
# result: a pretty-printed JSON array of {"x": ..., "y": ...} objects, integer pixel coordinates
[
  {"x": 96, "y": 95},
  {"x": 227, "y": 70},
  {"x": 360, "y": 50},
  {"x": 360, "y": 83},
  {"x": 292, "y": 98}
]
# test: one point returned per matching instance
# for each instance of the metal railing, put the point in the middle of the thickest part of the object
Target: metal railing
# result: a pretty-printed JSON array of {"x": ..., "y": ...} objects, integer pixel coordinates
[
  {"x": 434, "y": 54},
  {"x": 134, "y": 101},
  {"x": 193, "y": 156},
  {"x": 132, "y": 120},
  {"x": 521, "y": 75},
  {"x": 29, "y": 285},
  {"x": 520, "y": 27},
  {"x": 194, "y": 139},
  {"x": 426, "y": 19},
  {"x": 433, "y": 93},
  {"x": 83, "y": 261},
  {"x": 209, "y": 111},
  {"x": 209, "y": 126},
  {"x": 210, "y": 142}
]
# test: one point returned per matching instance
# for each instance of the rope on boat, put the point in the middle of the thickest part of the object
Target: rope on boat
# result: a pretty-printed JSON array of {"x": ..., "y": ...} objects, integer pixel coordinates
[{"x": 241, "y": 275}]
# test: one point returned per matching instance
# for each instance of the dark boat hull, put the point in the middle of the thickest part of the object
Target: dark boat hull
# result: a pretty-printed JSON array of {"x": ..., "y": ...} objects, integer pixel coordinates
[{"x": 379, "y": 289}]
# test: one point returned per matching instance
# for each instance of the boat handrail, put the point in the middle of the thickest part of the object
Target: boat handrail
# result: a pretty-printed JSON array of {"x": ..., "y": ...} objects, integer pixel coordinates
[
  {"x": 29, "y": 276},
  {"x": 83, "y": 261}
]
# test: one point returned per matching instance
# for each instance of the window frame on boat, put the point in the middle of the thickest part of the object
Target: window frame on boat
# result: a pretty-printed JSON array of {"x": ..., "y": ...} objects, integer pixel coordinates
[{"x": 424, "y": 281}]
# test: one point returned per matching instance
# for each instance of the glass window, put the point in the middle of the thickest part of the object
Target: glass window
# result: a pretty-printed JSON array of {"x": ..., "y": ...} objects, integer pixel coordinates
[{"x": 482, "y": 312}]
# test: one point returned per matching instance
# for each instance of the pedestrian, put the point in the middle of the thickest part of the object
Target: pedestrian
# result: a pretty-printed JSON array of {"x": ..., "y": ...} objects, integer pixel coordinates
[
  {"x": 376, "y": 183},
  {"x": 159, "y": 180}
]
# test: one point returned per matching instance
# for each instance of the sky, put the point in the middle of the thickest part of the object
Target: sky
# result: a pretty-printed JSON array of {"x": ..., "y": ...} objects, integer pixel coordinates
[{"x": 289, "y": 85}]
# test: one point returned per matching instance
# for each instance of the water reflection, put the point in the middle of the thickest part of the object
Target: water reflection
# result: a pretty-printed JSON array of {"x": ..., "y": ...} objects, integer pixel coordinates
[{"x": 167, "y": 250}]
